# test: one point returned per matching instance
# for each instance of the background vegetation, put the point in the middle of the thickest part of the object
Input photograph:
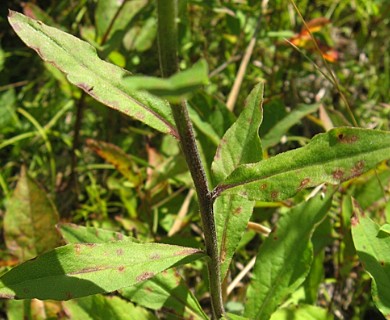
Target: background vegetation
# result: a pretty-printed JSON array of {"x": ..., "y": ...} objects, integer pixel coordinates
[{"x": 106, "y": 170}]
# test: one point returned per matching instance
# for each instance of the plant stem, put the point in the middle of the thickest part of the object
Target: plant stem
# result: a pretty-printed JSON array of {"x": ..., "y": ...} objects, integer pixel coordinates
[{"x": 168, "y": 44}]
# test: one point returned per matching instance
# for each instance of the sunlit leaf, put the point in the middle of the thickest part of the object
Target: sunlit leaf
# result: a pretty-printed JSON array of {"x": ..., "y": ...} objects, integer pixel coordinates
[
  {"x": 100, "y": 307},
  {"x": 304, "y": 312},
  {"x": 240, "y": 144},
  {"x": 30, "y": 219},
  {"x": 78, "y": 270},
  {"x": 333, "y": 157},
  {"x": 285, "y": 257},
  {"x": 101, "y": 80},
  {"x": 373, "y": 249}
]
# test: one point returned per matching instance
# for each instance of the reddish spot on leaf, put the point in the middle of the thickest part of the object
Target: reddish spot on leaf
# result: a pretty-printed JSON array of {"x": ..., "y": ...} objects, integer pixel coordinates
[
  {"x": 237, "y": 210},
  {"x": 187, "y": 251},
  {"x": 155, "y": 256},
  {"x": 263, "y": 186},
  {"x": 343, "y": 138},
  {"x": 86, "y": 87},
  {"x": 275, "y": 238},
  {"x": 139, "y": 116},
  {"x": 274, "y": 194},
  {"x": 149, "y": 289},
  {"x": 121, "y": 268},
  {"x": 304, "y": 183},
  {"x": 68, "y": 296},
  {"x": 144, "y": 276},
  {"x": 357, "y": 169},
  {"x": 119, "y": 236},
  {"x": 382, "y": 263},
  {"x": 354, "y": 221},
  {"x": 338, "y": 174},
  {"x": 77, "y": 247},
  {"x": 119, "y": 252}
]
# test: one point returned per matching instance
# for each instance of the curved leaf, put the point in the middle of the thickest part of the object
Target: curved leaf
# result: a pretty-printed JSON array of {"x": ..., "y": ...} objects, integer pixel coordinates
[
  {"x": 284, "y": 259},
  {"x": 30, "y": 219},
  {"x": 78, "y": 270},
  {"x": 101, "y": 80},
  {"x": 332, "y": 157},
  {"x": 240, "y": 144},
  {"x": 373, "y": 248}
]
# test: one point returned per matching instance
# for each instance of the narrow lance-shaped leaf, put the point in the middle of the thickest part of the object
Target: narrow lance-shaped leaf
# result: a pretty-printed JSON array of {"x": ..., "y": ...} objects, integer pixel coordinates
[
  {"x": 332, "y": 157},
  {"x": 240, "y": 144},
  {"x": 373, "y": 248},
  {"x": 30, "y": 219},
  {"x": 280, "y": 128},
  {"x": 78, "y": 270},
  {"x": 175, "y": 88},
  {"x": 284, "y": 259},
  {"x": 101, "y": 80}
]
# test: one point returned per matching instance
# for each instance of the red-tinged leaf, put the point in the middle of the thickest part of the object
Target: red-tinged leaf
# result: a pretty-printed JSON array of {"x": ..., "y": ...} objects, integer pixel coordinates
[{"x": 30, "y": 219}]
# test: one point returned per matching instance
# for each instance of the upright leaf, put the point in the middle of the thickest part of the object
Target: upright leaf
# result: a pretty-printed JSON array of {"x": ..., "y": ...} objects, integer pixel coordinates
[
  {"x": 373, "y": 248},
  {"x": 284, "y": 259},
  {"x": 304, "y": 312},
  {"x": 78, "y": 270},
  {"x": 240, "y": 144},
  {"x": 332, "y": 157},
  {"x": 30, "y": 219},
  {"x": 101, "y": 80}
]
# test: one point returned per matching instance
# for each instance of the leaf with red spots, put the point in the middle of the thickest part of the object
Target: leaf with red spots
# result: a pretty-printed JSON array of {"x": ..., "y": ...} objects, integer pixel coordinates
[
  {"x": 284, "y": 259},
  {"x": 30, "y": 219},
  {"x": 240, "y": 144},
  {"x": 78, "y": 270},
  {"x": 373, "y": 248},
  {"x": 83, "y": 68},
  {"x": 333, "y": 157}
]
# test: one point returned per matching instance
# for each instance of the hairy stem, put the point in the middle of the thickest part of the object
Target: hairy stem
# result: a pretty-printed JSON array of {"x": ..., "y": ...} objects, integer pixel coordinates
[{"x": 167, "y": 40}]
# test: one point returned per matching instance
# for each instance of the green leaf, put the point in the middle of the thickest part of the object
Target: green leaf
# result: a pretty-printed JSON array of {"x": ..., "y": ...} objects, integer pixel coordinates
[
  {"x": 240, "y": 144},
  {"x": 302, "y": 312},
  {"x": 284, "y": 259},
  {"x": 166, "y": 290},
  {"x": 100, "y": 307},
  {"x": 232, "y": 316},
  {"x": 73, "y": 233},
  {"x": 177, "y": 87},
  {"x": 333, "y": 157},
  {"x": 280, "y": 128},
  {"x": 373, "y": 249},
  {"x": 101, "y": 80},
  {"x": 117, "y": 157},
  {"x": 169, "y": 292},
  {"x": 78, "y": 270},
  {"x": 30, "y": 219}
]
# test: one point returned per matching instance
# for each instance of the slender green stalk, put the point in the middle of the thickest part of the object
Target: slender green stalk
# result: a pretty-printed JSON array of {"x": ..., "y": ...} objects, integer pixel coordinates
[{"x": 167, "y": 40}]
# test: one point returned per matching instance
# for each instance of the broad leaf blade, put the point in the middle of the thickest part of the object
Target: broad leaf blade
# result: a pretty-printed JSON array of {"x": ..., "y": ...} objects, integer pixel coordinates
[
  {"x": 100, "y": 307},
  {"x": 240, "y": 144},
  {"x": 30, "y": 219},
  {"x": 73, "y": 233},
  {"x": 373, "y": 248},
  {"x": 177, "y": 87},
  {"x": 101, "y": 80},
  {"x": 285, "y": 257},
  {"x": 166, "y": 291},
  {"x": 305, "y": 312},
  {"x": 78, "y": 270},
  {"x": 332, "y": 157}
]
